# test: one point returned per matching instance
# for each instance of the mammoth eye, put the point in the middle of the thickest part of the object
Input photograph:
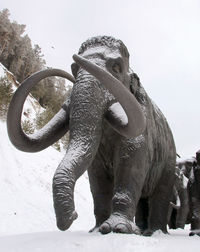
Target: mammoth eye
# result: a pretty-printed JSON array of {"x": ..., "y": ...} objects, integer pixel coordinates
[{"x": 116, "y": 68}]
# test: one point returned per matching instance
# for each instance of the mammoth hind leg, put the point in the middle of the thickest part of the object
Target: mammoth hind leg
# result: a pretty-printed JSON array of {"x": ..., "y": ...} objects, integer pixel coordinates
[
  {"x": 172, "y": 219},
  {"x": 102, "y": 190},
  {"x": 141, "y": 216},
  {"x": 159, "y": 204}
]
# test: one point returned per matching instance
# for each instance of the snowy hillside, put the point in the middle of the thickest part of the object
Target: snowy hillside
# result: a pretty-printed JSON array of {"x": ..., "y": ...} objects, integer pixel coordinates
[
  {"x": 26, "y": 207},
  {"x": 31, "y": 106},
  {"x": 27, "y": 221},
  {"x": 25, "y": 190}
]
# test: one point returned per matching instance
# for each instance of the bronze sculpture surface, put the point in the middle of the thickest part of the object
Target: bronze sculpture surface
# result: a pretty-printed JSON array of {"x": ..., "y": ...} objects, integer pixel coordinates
[
  {"x": 117, "y": 134},
  {"x": 187, "y": 190}
]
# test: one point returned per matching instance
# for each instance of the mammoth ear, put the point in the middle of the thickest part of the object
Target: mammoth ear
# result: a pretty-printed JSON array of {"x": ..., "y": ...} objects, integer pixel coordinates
[
  {"x": 136, "y": 88},
  {"x": 134, "y": 82}
]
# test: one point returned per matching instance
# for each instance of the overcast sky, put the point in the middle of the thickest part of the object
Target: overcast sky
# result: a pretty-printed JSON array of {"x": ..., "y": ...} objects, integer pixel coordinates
[{"x": 162, "y": 36}]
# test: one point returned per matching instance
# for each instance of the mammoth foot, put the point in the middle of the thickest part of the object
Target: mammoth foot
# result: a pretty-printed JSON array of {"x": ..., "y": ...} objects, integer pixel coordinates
[
  {"x": 149, "y": 232},
  {"x": 63, "y": 223},
  {"x": 94, "y": 229},
  {"x": 118, "y": 224},
  {"x": 194, "y": 232}
]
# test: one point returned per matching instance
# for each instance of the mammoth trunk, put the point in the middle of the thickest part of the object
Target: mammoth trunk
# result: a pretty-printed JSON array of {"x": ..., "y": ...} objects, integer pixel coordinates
[{"x": 86, "y": 113}]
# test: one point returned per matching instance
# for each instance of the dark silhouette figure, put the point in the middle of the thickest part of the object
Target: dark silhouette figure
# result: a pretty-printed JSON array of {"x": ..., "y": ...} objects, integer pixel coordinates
[
  {"x": 187, "y": 191},
  {"x": 194, "y": 196}
]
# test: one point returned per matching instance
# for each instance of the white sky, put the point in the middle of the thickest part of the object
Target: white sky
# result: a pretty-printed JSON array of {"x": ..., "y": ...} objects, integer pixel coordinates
[{"x": 163, "y": 39}]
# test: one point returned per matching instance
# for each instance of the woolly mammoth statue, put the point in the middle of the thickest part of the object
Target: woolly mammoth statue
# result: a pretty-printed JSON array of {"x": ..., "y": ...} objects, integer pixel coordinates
[
  {"x": 187, "y": 189},
  {"x": 186, "y": 166},
  {"x": 179, "y": 207},
  {"x": 194, "y": 196},
  {"x": 117, "y": 134}
]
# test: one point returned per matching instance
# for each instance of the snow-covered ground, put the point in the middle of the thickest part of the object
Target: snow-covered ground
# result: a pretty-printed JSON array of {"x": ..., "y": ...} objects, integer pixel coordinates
[
  {"x": 25, "y": 189},
  {"x": 75, "y": 241},
  {"x": 27, "y": 220}
]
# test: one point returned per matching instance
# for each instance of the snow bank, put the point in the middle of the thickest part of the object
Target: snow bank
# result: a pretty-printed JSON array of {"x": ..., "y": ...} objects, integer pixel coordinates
[
  {"x": 27, "y": 207},
  {"x": 78, "y": 241},
  {"x": 26, "y": 194},
  {"x": 31, "y": 105}
]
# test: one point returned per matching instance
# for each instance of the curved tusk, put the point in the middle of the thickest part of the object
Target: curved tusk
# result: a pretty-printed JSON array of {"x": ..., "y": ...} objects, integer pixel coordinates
[
  {"x": 136, "y": 120},
  {"x": 51, "y": 132},
  {"x": 174, "y": 205},
  {"x": 116, "y": 116}
]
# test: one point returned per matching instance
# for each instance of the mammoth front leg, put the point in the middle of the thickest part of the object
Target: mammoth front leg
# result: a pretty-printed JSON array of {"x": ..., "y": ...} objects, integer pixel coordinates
[
  {"x": 194, "y": 204},
  {"x": 128, "y": 185},
  {"x": 101, "y": 186},
  {"x": 141, "y": 216},
  {"x": 183, "y": 211},
  {"x": 76, "y": 161},
  {"x": 195, "y": 220}
]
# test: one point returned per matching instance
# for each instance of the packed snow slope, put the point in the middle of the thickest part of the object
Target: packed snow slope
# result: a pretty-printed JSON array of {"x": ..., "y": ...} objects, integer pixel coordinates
[
  {"x": 26, "y": 190},
  {"x": 27, "y": 221},
  {"x": 81, "y": 241}
]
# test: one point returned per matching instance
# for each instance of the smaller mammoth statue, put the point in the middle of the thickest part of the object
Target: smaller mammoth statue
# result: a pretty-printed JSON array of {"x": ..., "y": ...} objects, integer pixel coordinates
[
  {"x": 117, "y": 134},
  {"x": 187, "y": 192},
  {"x": 194, "y": 196},
  {"x": 186, "y": 166},
  {"x": 179, "y": 207}
]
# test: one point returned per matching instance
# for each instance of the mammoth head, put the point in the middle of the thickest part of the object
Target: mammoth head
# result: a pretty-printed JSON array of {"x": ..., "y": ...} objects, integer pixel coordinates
[
  {"x": 107, "y": 59},
  {"x": 110, "y": 54}
]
